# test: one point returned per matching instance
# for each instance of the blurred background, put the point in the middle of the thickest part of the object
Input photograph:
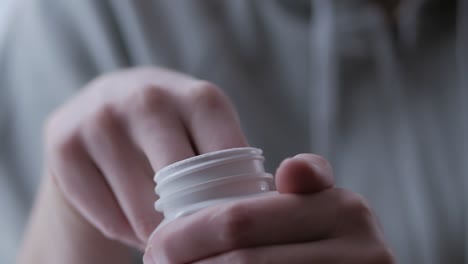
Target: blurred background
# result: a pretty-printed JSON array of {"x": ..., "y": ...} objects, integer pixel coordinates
[
  {"x": 7, "y": 228},
  {"x": 5, "y": 6}
]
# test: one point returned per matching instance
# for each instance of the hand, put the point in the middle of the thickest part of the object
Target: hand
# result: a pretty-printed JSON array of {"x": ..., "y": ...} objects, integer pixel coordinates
[
  {"x": 309, "y": 222},
  {"x": 105, "y": 144}
]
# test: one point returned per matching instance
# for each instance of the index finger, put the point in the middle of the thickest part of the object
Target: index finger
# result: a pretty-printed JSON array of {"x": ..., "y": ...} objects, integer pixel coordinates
[{"x": 211, "y": 119}]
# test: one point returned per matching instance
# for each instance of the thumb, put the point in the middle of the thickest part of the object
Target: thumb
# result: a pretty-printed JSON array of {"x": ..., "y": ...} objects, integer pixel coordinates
[{"x": 304, "y": 174}]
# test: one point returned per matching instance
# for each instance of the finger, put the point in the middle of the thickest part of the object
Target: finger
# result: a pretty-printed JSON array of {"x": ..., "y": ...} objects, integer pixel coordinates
[
  {"x": 87, "y": 190},
  {"x": 304, "y": 173},
  {"x": 254, "y": 222},
  {"x": 126, "y": 170},
  {"x": 155, "y": 127},
  {"x": 211, "y": 119},
  {"x": 324, "y": 252}
]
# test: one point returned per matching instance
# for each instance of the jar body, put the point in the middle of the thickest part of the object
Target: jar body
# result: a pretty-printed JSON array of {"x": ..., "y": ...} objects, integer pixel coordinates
[
  {"x": 193, "y": 208},
  {"x": 211, "y": 179}
]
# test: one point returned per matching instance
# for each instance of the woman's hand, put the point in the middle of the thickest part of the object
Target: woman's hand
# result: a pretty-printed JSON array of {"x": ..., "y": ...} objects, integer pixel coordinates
[
  {"x": 104, "y": 146},
  {"x": 310, "y": 221}
]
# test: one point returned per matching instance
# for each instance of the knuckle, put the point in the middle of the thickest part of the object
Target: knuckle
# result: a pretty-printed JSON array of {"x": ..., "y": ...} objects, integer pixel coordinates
[
  {"x": 65, "y": 147},
  {"x": 204, "y": 94},
  {"x": 59, "y": 143},
  {"x": 355, "y": 205},
  {"x": 235, "y": 225},
  {"x": 149, "y": 99},
  {"x": 354, "y": 215},
  {"x": 50, "y": 124},
  {"x": 383, "y": 255},
  {"x": 101, "y": 120},
  {"x": 113, "y": 230}
]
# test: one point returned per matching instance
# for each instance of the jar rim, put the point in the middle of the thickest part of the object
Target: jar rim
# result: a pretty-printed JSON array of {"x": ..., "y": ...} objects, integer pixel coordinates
[{"x": 200, "y": 159}]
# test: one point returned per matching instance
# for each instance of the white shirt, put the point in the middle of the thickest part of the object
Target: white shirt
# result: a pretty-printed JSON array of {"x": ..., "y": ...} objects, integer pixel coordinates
[{"x": 386, "y": 107}]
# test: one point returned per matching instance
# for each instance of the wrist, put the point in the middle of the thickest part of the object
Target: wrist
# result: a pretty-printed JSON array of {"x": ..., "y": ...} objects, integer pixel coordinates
[{"x": 57, "y": 233}]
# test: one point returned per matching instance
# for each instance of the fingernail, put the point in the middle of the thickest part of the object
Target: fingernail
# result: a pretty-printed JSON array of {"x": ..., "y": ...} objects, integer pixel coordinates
[
  {"x": 286, "y": 160},
  {"x": 316, "y": 162},
  {"x": 147, "y": 257}
]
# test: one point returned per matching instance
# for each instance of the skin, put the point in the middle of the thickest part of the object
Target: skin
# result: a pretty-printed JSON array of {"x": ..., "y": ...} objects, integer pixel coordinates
[{"x": 96, "y": 198}]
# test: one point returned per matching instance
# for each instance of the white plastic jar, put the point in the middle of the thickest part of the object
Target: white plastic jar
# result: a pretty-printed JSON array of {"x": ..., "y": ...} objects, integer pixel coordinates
[{"x": 210, "y": 179}]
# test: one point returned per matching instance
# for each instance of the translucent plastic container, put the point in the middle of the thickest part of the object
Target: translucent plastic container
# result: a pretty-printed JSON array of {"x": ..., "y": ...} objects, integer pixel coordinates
[{"x": 210, "y": 179}]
